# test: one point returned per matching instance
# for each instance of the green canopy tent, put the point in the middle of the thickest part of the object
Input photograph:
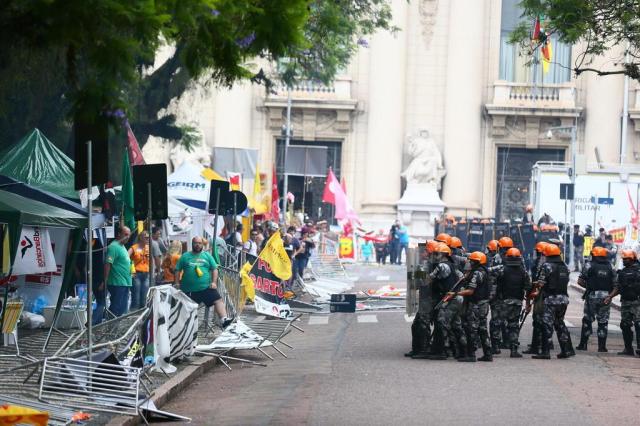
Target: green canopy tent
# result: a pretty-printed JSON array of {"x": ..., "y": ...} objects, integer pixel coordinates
[
  {"x": 17, "y": 211},
  {"x": 38, "y": 162}
]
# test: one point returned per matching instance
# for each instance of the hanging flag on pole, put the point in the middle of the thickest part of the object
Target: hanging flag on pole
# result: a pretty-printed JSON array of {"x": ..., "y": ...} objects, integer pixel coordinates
[
  {"x": 334, "y": 194},
  {"x": 275, "y": 196},
  {"x": 127, "y": 195},
  {"x": 234, "y": 181},
  {"x": 133, "y": 148},
  {"x": 327, "y": 194},
  {"x": 257, "y": 202},
  {"x": 343, "y": 184},
  {"x": 547, "y": 55}
]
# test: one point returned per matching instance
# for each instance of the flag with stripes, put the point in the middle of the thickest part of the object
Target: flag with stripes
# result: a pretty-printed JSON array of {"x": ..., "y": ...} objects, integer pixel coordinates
[{"x": 175, "y": 325}]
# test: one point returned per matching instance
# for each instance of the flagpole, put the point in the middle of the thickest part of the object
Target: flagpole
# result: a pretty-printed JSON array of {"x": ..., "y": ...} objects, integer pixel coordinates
[{"x": 287, "y": 136}]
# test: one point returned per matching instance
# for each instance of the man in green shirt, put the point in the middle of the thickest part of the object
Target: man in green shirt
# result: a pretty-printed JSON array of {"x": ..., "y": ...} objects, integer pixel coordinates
[
  {"x": 117, "y": 273},
  {"x": 199, "y": 279}
]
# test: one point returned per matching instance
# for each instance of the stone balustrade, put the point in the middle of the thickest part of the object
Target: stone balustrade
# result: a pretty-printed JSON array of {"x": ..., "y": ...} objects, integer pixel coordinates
[
  {"x": 507, "y": 94},
  {"x": 338, "y": 90}
]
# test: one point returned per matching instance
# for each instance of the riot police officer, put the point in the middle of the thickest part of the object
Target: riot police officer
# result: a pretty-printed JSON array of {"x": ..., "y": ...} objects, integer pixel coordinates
[
  {"x": 597, "y": 277},
  {"x": 476, "y": 293},
  {"x": 421, "y": 326},
  {"x": 497, "y": 327},
  {"x": 628, "y": 286},
  {"x": 553, "y": 282},
  {"x": 457, "y": 253},
  {"x": 448, "y": 324},
  {"x": 538, "y": 304},
  {"x": 513, "y": 284}
]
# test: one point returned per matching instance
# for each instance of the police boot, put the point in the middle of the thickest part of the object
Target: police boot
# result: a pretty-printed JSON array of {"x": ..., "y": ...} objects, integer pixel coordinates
[
  {"x": 468, "y": 354},
  {"x": 514, "y": 352},
  {"x": 566, "y": 350},
  {"x": 534, "y": 347},
  {"x": 487, "y": 356},
  {"x": 627, "y": 336},
  {"x": 544, "y": 353},
  {"x": 495, "y": 346},
  {"x": 416, "y": 339},
  {"x": 602, "y": 344},
  {"x": 582, "y": 346}
]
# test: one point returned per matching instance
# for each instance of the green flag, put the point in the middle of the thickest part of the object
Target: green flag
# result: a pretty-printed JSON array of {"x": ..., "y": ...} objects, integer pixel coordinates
[{"x": 127, "y": 194}]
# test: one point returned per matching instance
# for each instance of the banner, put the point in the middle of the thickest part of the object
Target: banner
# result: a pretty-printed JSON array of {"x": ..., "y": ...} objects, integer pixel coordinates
[
  {"x": 269, "y": 293},
  {"x": 34, "y": 255},
  {"x": 45, "y": 285},
  {"x": 347, "y": 249},
  {"x": 237, "y": 336}
]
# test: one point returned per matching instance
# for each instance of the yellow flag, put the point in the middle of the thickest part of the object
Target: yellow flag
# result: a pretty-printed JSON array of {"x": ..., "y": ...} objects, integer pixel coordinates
[
  {"x": 210, "y": 174},
  {"x": 247, "y": 291},
  {"x": 256, "y": 201},
  {"x": 6, "y": 252},
  {"x": 547, "y": 56},
  {"x": 275, "y": 255}
]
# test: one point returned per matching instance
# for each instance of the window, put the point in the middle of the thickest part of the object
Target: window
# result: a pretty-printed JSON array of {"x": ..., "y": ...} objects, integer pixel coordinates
[{"x": 512, "y": 64}]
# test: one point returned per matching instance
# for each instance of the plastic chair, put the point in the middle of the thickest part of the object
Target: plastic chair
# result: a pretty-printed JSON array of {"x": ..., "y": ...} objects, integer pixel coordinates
[{"x": 13, "y": 310}]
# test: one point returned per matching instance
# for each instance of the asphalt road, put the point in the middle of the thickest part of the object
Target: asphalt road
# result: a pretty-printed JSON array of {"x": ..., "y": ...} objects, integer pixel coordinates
[{"x": 349, "y": 369}]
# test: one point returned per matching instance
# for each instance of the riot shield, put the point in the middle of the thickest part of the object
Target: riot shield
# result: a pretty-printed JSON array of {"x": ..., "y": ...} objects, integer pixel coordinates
[{"x": 413, "y": 261}]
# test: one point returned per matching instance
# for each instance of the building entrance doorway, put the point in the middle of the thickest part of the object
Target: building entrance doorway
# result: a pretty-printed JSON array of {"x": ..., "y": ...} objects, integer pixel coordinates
[
  {"x": 306, "y": 172},
  {"x": 514, "y": 177}
]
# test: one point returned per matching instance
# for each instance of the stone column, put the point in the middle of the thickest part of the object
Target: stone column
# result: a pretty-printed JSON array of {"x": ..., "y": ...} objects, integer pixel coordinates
[
  {"x": 233, "y": 116},
  {"x": 463, "y": 106},
  {"x": 385, "y": 128}
]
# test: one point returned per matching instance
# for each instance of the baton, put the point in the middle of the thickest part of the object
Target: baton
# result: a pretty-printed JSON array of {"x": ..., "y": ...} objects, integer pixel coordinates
[{"x": 524, "y": 318}]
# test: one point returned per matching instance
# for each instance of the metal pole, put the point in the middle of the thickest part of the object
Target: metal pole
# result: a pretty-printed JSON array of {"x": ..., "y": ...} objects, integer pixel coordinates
[
  {"x": 285, "y": 186},
  {"x": 214, "y": 246},
  {"x": 574, "y": 130},
  {"x": 625, "y": 112},
  {"x": 149, "y": 213},
  {"x": 89, "y": 251}
]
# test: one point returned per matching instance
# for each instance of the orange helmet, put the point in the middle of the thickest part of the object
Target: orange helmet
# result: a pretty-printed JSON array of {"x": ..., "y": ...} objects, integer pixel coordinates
[
  {"x": 551, "y": 250},
  {"x": 540, "y": 246},
  {"x": 443, "y": 238},
  {"x": 478, "y": 256},
  {"x": 513, "y": 252},
  {"x": 455, "y": 242},
  {"x": 629, "y": 254},
  {"x": 492, "y": 245},
  {"x": 505, "y": 242},
  {"x": 431, "y": 246},
  {"x": 443, "y": 248},
  {"x": 599, "y": 252}
]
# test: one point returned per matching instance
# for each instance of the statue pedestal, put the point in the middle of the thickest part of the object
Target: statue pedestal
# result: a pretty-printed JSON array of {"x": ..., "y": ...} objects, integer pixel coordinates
[{"x": 418, "y": 208}]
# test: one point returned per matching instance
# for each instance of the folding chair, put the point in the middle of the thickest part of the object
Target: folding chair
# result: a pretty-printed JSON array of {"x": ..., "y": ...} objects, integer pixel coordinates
[{"x": 13, "y": 310}]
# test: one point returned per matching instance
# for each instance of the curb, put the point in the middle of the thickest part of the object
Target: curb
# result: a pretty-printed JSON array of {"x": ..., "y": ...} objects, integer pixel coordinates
[
  {"x": 171, "y": 387},
  {"x": 615, "y": 304}
]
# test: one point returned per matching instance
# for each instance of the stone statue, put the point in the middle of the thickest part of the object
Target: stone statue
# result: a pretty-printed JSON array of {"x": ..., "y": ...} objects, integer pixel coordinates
[{"x": 426, "y": 161}]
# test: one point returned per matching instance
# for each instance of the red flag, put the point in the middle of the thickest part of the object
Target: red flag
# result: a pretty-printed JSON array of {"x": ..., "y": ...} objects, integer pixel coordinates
[
  {"x": 634, "y": 210},
  {"x": 536, "y": 30},
  {"x": 343, "y": 183},
  {"x": 328, "y": 195},
  {"x": 275, "y": 196},
  {"x": 135, "y": 155}
]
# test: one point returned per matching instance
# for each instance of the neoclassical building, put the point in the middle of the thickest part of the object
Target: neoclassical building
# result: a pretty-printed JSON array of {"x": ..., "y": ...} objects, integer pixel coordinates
[{"x": 451, "y": 72}]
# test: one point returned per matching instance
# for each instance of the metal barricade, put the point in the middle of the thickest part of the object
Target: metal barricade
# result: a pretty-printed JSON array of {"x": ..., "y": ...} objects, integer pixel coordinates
[{"x": 89, "y": 385}]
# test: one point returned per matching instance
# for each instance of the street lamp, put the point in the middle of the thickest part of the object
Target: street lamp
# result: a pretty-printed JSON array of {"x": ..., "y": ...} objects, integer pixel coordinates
[{"x": 572, "y": 175}]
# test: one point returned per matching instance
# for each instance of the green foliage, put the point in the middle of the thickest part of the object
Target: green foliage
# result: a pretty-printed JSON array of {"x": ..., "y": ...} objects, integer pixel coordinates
[
  {"x": 597, "y": 25},
  {"x": 97, "y": 51}
]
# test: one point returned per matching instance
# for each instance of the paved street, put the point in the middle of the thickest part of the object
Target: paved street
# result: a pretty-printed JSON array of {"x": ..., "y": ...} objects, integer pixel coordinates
[{"x": 349, "y": 369}]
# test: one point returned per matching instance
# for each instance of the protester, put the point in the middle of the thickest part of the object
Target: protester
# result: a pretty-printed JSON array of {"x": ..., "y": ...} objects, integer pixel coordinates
[
  {"x": 199, "y": 279},
  {"x": 158, "y": 250},
  {"x": 382, "y": 248},
  {"x": 601, "y": 239},
  {"x": 612, "y": 248},
  {"x": 366, "y": 250},
  {"x": 394, "y": 243},
  {"x": 578, "y": 249},
  {"x": 170, "y": 260},
  {"x": 403, "y": 236},
  {"x": 301, "y": 258},
  {"x": 139, "y": 254},
  {"x": 251, "y": 246},
  {"x": 117, "y": 273}
]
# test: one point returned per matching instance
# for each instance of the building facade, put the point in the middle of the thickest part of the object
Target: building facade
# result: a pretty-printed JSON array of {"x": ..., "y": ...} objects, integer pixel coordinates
[{"x": 449, "y": 71}]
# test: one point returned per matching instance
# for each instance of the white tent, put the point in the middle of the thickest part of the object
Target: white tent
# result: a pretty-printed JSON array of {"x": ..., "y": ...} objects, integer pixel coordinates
[{"x": 187, "y": 185}]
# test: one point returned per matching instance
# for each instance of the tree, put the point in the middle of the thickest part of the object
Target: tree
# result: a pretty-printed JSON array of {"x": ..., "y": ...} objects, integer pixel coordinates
[
  {"x": 103, "y": 48},
  {"x": 597, "y": 25}
]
